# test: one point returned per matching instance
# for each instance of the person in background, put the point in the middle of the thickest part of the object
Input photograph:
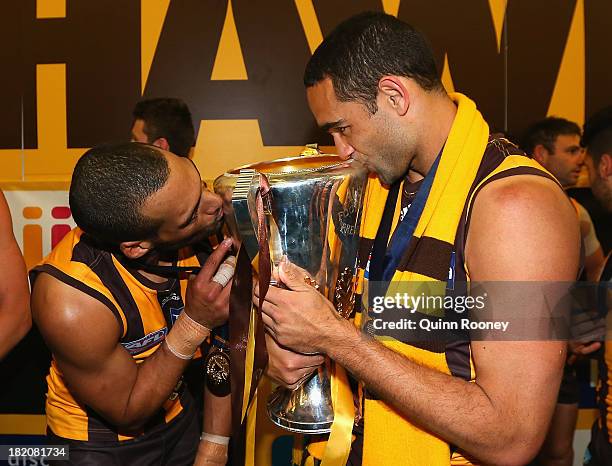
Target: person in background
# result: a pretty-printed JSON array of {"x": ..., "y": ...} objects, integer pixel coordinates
[
  {"x": 555, "y": 143},
  {"x": 597, "y": 139},
  {"x": 165, "y": 123},
  {"x": 15, "y": 318}
]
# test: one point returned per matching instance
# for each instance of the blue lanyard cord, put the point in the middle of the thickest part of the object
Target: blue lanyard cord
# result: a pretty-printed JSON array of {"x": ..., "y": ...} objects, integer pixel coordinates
[{"x": 405, "y": 229}]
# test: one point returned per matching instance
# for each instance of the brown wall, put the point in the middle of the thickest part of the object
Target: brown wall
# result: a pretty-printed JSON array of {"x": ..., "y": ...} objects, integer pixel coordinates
[{"x": 73, "y": 69}]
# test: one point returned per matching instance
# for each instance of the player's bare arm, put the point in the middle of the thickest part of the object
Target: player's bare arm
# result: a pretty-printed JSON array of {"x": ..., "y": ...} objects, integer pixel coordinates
[{"x": 15, "y": 318}]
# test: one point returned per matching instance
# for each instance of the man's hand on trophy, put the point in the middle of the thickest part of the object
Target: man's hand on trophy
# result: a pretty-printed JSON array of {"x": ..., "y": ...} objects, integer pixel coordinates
[
  {"x": 207, "y": 296},
  {"x": 288, "y": 368},
  {"x": 299, "y": 318}
]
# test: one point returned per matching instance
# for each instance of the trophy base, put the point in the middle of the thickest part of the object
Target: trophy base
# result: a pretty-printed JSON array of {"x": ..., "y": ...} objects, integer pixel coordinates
[{"x": 305, "y": 410}]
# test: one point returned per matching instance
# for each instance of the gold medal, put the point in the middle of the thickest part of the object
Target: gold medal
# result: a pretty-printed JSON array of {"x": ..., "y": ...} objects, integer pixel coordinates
[{"x": 217, "y": 368}]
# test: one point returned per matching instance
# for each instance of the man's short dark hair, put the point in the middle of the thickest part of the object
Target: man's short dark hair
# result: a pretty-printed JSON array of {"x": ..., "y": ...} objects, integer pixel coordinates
[
  {"x": 545, "y": 132},
  {"x": 109, "y": 185},
  {"x": 597, "y": 137},
  {"x": 366, "y": 47},
  {"x": 167, "y": 118}
]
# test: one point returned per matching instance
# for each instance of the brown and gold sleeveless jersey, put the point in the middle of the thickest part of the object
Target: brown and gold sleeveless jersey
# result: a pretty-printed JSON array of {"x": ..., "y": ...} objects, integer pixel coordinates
[
  {"x": 433, "y": 259},
  {"x": 429, "y": 258},
  {"x": 145, "y": 312}
]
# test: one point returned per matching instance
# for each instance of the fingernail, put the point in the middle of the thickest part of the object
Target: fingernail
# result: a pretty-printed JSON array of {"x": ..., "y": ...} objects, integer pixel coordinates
[{"x": 227, "y": 242}]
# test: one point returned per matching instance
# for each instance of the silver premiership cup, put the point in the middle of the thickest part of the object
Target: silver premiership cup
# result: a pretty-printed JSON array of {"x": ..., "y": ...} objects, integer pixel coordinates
[{"x": 312, "y": 217}]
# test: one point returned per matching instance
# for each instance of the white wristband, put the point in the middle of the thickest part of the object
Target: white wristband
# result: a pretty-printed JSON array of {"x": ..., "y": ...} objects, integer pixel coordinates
[
  {"x": 177, "y": 353},
  {"x": 220, "y": 439},
  {"x": 186, "y": 336}
]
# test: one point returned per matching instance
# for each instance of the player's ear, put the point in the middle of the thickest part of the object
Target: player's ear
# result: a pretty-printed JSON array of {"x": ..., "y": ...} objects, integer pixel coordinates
[
  {"x": 162, "y": 143},
  {"x": 392, "y": 91},
  {"x": 540, "y": 154}
]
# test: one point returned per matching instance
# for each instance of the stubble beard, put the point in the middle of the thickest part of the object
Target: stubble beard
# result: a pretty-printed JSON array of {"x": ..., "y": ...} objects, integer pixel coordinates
[
  {"x": 193, "y": 240},
  {"x": 603, "y": 193}
]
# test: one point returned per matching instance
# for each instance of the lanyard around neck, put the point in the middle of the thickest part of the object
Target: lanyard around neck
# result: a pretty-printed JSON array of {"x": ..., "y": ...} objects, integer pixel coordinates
[{"x": 406, "y": 228}]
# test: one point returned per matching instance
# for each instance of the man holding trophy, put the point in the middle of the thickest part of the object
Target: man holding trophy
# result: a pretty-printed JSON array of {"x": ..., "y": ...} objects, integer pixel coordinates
[{"x": 446, "y": 197}]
